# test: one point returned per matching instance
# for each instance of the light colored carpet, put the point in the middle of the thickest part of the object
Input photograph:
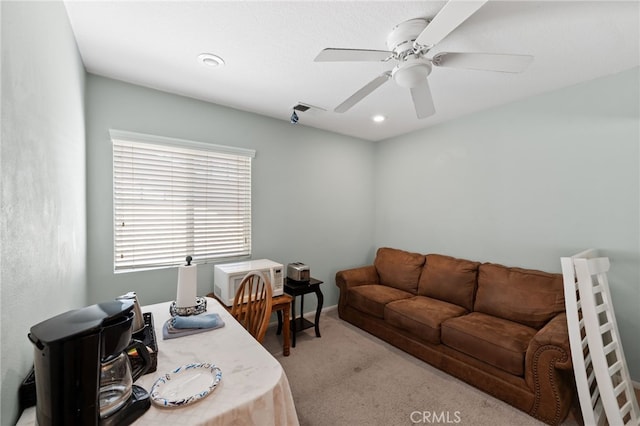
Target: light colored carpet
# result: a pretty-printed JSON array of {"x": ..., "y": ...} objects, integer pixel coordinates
[{"x": 349, "y": 377}]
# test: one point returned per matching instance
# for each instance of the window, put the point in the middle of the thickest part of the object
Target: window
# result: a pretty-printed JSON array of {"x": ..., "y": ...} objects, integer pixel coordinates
[{"x": 173, "y": 198}]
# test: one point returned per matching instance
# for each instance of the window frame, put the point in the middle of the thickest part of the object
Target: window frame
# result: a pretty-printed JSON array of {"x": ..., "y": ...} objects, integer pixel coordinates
[{"x": 181, "y": 147}]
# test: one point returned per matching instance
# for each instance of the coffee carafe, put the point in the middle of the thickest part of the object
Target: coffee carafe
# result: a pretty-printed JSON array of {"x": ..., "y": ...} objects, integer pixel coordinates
[{"x": 83, "y": 374}]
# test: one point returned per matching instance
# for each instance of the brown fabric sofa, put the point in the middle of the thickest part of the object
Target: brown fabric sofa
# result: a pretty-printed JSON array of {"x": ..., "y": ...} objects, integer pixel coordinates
[{"x": 500, "y": 329}]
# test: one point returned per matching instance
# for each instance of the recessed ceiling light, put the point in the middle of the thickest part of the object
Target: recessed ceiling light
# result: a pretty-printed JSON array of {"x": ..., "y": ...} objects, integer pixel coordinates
[
  {"x": 378, "y": 118},
  {"x": 211, "y": 60}
]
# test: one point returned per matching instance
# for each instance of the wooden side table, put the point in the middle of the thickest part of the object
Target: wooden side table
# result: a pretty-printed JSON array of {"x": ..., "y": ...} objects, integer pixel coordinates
[
  {"x": 300, "y": 288},
  {"x": 281, "y": 305}
]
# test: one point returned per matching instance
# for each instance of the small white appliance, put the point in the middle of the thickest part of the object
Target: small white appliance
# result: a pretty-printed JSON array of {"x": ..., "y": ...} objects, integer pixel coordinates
[{"x": 228, "y": 276}]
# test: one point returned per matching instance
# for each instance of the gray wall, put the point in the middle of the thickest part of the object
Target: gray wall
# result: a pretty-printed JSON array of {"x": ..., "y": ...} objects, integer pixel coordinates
[
  {"x": 42, "y": 163},
  {"x": 525, "y": 184},
  {"x": 312, "y": 194},
  {"x": 508, "y": 185}
]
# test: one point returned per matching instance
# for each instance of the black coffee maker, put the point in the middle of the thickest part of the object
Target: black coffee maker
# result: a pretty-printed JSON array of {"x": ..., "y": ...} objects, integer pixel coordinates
[{"x": 83, "y": 374}]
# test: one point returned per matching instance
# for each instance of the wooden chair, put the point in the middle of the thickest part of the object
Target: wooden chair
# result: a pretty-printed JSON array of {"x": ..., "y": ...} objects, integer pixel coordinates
[{"x": 252, "y": 304}]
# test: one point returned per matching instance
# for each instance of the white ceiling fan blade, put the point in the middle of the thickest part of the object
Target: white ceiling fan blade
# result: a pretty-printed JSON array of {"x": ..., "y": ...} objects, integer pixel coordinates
[
  {"x": 422, "y": 100},
  {"x": 454, "y": 13},
  {"x": 483, "y": 61},
  {"x": 351, "y": 55},
  {"x": 362, "y": 93}
]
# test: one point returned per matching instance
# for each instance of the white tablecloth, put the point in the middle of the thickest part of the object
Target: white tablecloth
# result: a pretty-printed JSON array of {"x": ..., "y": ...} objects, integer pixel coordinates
[{"x": 253, "y": 391}]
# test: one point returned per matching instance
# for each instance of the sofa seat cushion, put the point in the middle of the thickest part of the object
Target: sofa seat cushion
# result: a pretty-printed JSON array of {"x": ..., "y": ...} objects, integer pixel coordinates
[
  {"x": 496, "y": 341},
  {"x": 421, "y": 316},
  {"x": 372, "y": 298},
  {"x": 398, "y": 268},
  {"x": 526, "y": 296},
  {"x": 449, "y": 279}
]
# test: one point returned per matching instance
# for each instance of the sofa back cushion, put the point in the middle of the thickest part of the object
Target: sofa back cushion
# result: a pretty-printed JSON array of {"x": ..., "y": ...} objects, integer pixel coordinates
[
  {"x": 449, "y": 279},
  {"x": 526, "y": 296},
  {"x": 398, "y": 268}
]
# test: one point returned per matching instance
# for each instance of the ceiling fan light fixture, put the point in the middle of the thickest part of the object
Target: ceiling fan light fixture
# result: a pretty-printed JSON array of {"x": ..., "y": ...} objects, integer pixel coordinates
[
  {"x": 211, "y": 60},
  {"x": 412, "y": 72}
]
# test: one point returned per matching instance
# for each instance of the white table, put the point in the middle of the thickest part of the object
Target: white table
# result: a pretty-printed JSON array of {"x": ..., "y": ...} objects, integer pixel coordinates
[{"x": 254, "y": 389}]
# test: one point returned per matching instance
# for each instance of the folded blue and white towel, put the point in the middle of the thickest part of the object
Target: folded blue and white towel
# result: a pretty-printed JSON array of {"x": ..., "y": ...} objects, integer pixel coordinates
[
  {"x": 190, "y": 325},
  {"x": 197, "y": 321}
]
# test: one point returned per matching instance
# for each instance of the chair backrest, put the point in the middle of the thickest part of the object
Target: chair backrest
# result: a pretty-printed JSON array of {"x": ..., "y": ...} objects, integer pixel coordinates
[{"x": 252, "y": 304}]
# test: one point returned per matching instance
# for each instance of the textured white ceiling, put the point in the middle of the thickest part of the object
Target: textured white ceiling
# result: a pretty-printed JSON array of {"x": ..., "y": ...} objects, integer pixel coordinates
[{"x": 269, "y": 47}]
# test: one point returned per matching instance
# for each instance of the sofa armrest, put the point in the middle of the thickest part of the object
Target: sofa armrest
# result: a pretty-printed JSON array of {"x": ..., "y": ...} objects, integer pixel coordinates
[
  {"x": 554, "y": 334},
  {"x": 356, "y": 276},
  {"x": 549, "y": 370},
  {"x": 349, "y": 278}
]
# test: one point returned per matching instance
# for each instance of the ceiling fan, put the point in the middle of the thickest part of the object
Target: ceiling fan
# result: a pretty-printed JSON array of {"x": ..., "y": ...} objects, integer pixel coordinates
[{"x": 410, "y": 42}]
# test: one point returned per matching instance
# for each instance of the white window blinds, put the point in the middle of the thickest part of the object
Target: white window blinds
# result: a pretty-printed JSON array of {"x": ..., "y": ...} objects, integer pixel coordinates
[{"x": 174, "y": 198}]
